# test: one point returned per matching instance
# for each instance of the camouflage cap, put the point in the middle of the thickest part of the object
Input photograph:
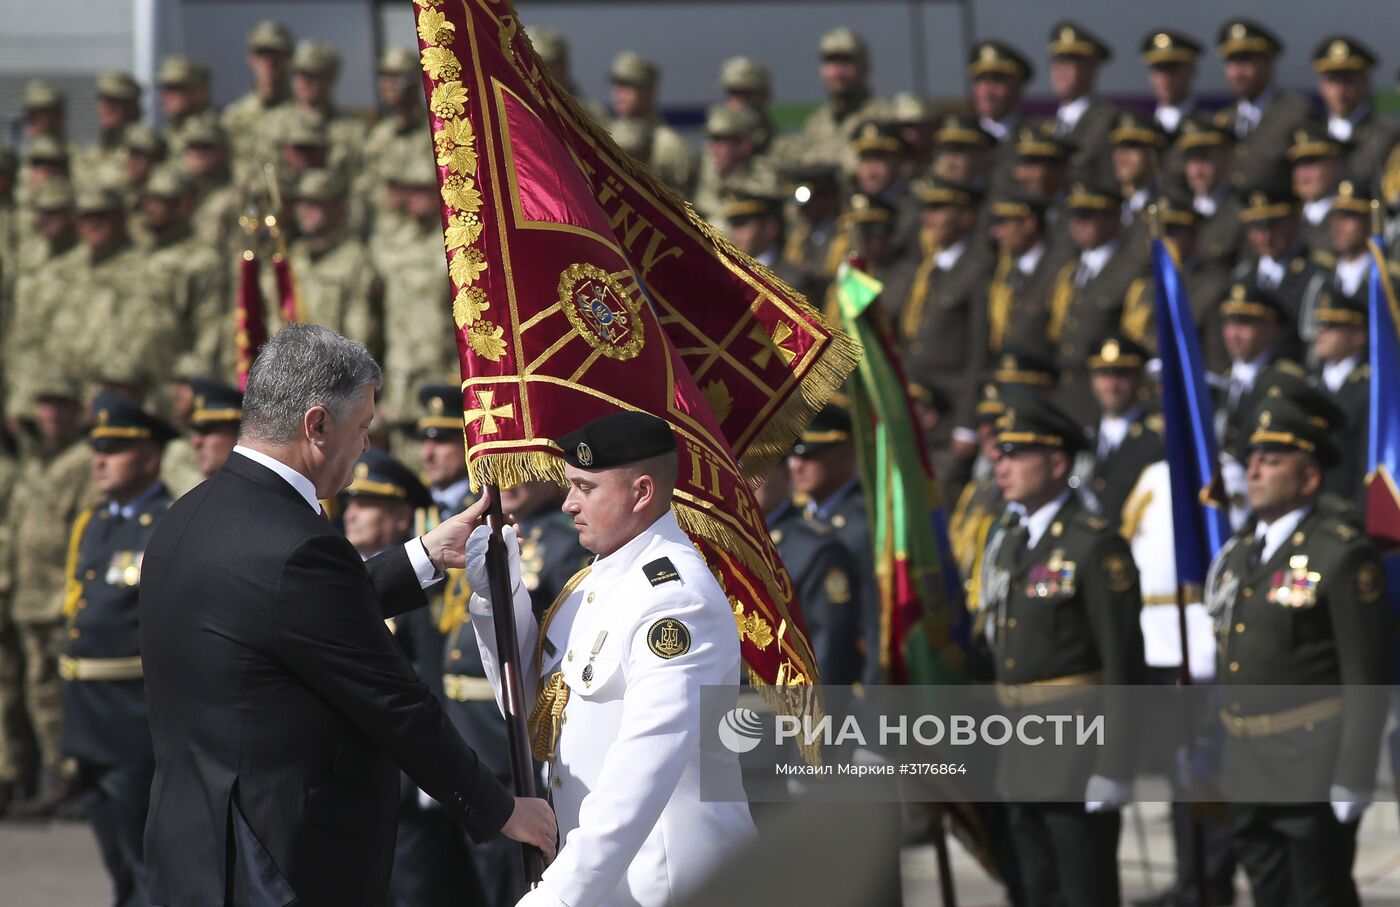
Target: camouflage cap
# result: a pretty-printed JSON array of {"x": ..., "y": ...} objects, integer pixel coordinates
[
  {"x": 169, "y": 181},
  {"x": 53, "y": 195},
  {"x": 843, "y": 42},
  {"x": 315, "y": 58},
  {"x": 630, "y": 68},
  {"x": 270, "y": 35},
  {"x": 398, "y": 61},
  {"x": 181, "y": 72},
  {"x": 307, "y": 131},
  {"x": 46, "y": 149},
  {"x": 744, "y": 74},
  {"x": 633, "y": 135},
  {"x": 97, "y": 198},
  {"x": 142, "y": 139},
  {"x": 117, "y": 85},
  {"x": 55, "y": 383},
  {"x": 550, "y": 44},
  {"x": 908, "y": 109},
  {"x": 320, "y": 184},
  {"x": 725, "y": 122},
  {"x": 205, "y": 131},
  {"x": 40, "y": 95},
  {"x": 417, "y": 171}
]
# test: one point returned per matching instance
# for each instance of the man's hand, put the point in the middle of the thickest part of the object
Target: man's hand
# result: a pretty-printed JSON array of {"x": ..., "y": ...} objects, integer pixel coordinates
[
  {"x": 446, "y": 544},
  {"x": 533, "y": 823}
]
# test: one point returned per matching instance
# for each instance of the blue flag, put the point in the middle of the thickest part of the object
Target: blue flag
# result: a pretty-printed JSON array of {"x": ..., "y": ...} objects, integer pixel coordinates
[{"x": 1199, "y": 528}]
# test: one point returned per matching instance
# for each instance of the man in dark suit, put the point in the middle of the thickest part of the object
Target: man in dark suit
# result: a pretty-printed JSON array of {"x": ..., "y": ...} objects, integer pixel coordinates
[{"x": 279, "y": 703}]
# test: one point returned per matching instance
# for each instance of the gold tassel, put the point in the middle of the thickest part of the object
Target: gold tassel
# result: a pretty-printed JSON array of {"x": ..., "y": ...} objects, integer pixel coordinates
[
  {"x": 73, "y": 587},
  {"x": 914, "y": 307},
  {"x": 1137, "y": 318},
  {"x": 999, "y": 299},
  {"x": 1060, "y": 299}
]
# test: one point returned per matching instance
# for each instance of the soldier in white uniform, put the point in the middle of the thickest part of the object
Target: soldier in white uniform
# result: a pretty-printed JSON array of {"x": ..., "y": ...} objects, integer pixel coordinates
[{"x": 620, "y": 659}]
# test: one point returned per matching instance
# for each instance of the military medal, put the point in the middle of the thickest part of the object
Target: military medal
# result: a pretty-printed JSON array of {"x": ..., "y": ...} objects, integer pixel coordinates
[{"x": 588, "y": 668}]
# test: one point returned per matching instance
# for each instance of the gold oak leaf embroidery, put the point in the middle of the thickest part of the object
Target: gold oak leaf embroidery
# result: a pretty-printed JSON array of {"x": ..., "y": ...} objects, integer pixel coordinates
[
  {"x": 448, "y": 100},
  {"x": 461, "y": 193},
  {"x": 462, "y": 230},
  {"x": 719, "y": 398},
  {"x": 456, "y": 146},
  {"x": 433, "y": 28},
  {"x": 487, "y": 340},
  {"x": 468, "y": 306},
  {"x": 428, "y": 4},
  {"x": 466, "y": 267},
  {"x": 441, "y": 63}
]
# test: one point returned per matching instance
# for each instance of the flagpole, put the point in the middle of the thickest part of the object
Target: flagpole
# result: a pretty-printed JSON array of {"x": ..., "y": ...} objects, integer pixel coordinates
[{"x": 522, "y": 767}]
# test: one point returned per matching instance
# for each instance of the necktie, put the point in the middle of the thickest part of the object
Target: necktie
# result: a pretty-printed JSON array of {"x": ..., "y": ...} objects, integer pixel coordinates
[
  {"x": 1254, "y": 554},
  {"x": 1013, "y": 546}
]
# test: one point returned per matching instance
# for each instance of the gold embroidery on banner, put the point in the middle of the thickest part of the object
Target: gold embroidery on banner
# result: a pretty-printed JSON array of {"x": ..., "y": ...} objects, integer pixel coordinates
[
  {"x": 601, "y": 312},
  {"x": 487, "y": 412},
  {"x": 720, "y": 400},
  {"x": 433, "y": 28},
  {"x": 456, "y": 146},
  {"x": 468, "y": 305},
  {"x": 487, "y": 340},
  {"x": 752, "y": 626},
  {"x": 440, "y": 63},
  {"x": 448, "y": 99}
]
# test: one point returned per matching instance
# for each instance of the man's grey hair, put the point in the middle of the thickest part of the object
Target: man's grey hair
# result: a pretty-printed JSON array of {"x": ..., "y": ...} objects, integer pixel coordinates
[{"x": 304, "y": 365}]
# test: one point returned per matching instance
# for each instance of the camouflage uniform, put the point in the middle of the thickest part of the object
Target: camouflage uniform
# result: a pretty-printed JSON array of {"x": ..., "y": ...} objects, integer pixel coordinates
[
  {"x": 51, "y": 490},
  {"x": 670, "y": 156},
  {"x": 40, "y": 95},
  {"x": 251, "y": 121},
  {"x": 337, "y": 282},
  {"x": 419, "y": 335},
  {"x": 11, "y": 656},
  {"x": 189, "y": 273},
  {"x": 725, "y": 123},
  {"x": 124, "y": 325},
  {"x": 39, "y": 290},
  {"x": 105, "y": 161},
  {"x": 344, "y": 132},
  {"x": 828, "y": 133},
  {"x": 400, "y": 137},
  {"x": 184, "y": 73}
]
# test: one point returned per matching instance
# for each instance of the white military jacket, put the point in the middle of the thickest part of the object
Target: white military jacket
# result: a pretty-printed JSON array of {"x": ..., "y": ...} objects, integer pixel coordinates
[
  {"x": 635, "y": 639},
  {"x": 1147, "y": 521}
]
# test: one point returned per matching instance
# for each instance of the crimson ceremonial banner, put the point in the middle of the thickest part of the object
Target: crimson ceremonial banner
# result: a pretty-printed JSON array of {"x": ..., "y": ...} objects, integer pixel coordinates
[{"x": 582, "y": 285}]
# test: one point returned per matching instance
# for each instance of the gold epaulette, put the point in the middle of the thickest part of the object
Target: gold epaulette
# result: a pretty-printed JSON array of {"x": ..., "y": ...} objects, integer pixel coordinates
[
  {"x": 553, "y": 696},
  {"x": 1326, "y": 259}
]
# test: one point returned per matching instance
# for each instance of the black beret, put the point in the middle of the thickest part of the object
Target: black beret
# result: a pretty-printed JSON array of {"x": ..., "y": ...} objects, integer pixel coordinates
[
  {"x": 379, "y": 475},
  {"x": 618, "y": 439},
  {"x": 117, "y": 420}
]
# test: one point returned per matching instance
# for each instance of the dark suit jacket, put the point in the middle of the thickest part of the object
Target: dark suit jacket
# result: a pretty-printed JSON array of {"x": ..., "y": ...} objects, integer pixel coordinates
[{"x": 280, "y": 707}]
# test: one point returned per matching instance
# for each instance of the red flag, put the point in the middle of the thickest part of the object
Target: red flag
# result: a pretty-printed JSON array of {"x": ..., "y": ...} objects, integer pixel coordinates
[
  {"x": 583, "y": 285},
  {"x": 251, "y": 332},
  {"x": 288, "y": 299}
]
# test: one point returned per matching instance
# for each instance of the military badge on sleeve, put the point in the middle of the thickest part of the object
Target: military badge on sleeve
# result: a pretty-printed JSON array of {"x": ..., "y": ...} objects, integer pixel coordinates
[
  {"x": 668, "y": 638},
  {"x": 837, "y": 586},
  {"x": 660, "y": 571},
  {"x": 1368, "y": 584},
  {"x": 1120, "y": 573}
]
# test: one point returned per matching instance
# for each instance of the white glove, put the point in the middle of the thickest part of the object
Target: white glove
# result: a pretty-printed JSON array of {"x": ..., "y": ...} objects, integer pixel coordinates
[
  {"x": 1105, "y": 794},
  {"x": 539, "y": 897},
  {"x": 476, "y": 560},
  {"x": 1347, "y": 804}
]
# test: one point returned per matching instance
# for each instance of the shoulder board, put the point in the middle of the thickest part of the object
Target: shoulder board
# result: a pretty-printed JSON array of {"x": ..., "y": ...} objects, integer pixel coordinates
[
  {"x": 1326, "y": 259},
  {"x": 1155, "y": 422},
  {"x": 1222, "y": 116},
  {"x": 1345, "y": 532},
  {"x": 1393, "y": 268},
  {"x": 660, "y": 571},
  {"x": 1097, "y": 524},
  {"x": 1360, "y": 373},
  {"x": 1290, "y": 367}
]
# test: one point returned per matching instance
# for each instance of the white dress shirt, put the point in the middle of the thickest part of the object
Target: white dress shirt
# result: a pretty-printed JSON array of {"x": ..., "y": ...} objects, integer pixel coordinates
[
  {"x": 1270, "y": 273},
  {"x": 947, "y": 258},
  {"x": 1169, "y": 116},
  {"x": 1249, "y": 113},
  {"x": 1349, "y": 273},
  {"x": 1112, "y": 431},
  {"x": 1030, "y": 258},
  {"x": 1335, "y": 374},
  {"x": 1092, "y": 262},
  {"x": 998, "y": 129},
  {"x": 1315, "y": 212},
  {"x": 1342, "y": 128},
  {"x": 1036, "y": 523},
  {"x": 1068, "y": 116},
  {"x": 1274, "y": 534},
  {"x": 1205, "y": 205},
  {"x": 417, "y": 556}
]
